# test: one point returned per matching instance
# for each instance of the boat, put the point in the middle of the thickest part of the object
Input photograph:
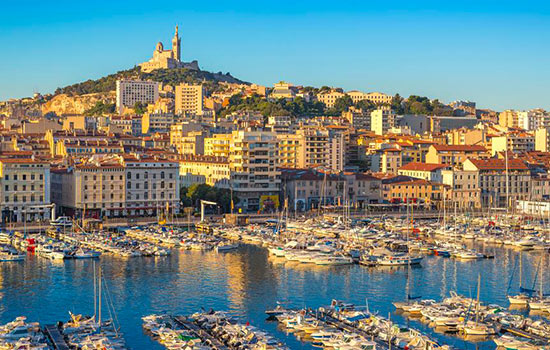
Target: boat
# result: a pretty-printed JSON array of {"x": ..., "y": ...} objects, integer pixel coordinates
[
  {"x": 226, "y": 246},
  {"x": 86, "y": 254},
  {"x": 11, "y": 257}
]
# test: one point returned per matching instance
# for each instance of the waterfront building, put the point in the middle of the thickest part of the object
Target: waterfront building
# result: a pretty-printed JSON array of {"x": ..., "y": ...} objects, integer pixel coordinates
[
  {"x": 425, "y": 171},
  {"x": 151, "y": 185},
  {"x": 418, "y": 191},
  {"x": 24, "y": 189},
  {"x": 464, "y": 187},
  {"x": 253, "y": 162},
  {"x": 210, "y": 170},
  {"x": 129, "y": 92},
  {"x": 499, "y": 179}
]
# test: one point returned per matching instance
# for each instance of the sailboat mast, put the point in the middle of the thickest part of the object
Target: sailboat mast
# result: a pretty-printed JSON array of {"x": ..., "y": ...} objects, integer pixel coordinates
[
  {"x": 507, "y": 179},
  {"x": 99, "y": 296},
  {"x": 95, "y": 293},
  {"x": 477, "y": 304}
]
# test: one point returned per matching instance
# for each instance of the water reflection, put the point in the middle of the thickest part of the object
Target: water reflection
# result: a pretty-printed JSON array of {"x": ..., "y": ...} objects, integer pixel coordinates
[{"x": 246, "y": 282}]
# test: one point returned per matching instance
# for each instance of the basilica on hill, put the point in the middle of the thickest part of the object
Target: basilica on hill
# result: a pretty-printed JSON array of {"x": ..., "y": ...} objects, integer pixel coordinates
[{"x": 168, "y": 59}]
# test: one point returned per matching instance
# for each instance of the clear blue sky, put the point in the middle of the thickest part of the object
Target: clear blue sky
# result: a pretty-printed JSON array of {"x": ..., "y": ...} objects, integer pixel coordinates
[{"x": 496, "y": 53}]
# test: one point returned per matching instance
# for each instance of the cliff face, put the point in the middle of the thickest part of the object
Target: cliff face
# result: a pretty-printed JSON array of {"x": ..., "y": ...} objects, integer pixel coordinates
[{"x": 77, "y": 104}]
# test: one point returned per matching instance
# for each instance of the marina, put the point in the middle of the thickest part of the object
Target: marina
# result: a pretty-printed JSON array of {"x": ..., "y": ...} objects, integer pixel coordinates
[{"x": 395, "y": 268}]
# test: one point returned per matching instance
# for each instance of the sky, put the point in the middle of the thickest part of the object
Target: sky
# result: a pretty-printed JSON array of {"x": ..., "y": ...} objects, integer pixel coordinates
[{"x": 495, "y": 53}]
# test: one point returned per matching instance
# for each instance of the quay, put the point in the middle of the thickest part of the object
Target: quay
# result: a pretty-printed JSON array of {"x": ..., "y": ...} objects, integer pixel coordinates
[
  {"x": 521, "y": 333},
  {"x": 52, "y": 332},
  {"x": 201, "y": 333}
]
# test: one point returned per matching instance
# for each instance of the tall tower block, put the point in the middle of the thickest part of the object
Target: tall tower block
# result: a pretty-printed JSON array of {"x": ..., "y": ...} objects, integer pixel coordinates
[{"x": 176, "y": 46}]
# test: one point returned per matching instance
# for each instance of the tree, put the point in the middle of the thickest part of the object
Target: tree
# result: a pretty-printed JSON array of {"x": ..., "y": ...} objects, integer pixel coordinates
[
  {"x": 340, "y": 105},
  {"x": 140, "y": 108},
  {"x": 100, "y": 108},
  {"x": 192, "y": 196}
]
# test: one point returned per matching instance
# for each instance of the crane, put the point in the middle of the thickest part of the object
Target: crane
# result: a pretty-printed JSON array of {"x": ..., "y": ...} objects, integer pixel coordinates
[{"x": 204, "y": 204}]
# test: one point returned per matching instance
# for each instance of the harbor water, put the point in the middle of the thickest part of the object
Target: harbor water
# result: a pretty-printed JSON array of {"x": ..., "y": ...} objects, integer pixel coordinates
[{"x": 246, "y": 282}]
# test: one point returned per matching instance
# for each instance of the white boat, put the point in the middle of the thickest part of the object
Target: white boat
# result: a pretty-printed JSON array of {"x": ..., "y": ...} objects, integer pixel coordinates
[
  {"x": 11, "y": 257},
  {"x": 333, "y": 260},
  {"x": 399, "y": 260},
  {"x": 83, "y": 254},
  {"x": 224, "y": 247}
]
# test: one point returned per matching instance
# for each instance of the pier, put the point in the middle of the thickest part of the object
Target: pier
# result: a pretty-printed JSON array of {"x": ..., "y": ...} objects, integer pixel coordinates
[
  {"x": 55, "y": 337},
  {"x": 201, "y": 333}
]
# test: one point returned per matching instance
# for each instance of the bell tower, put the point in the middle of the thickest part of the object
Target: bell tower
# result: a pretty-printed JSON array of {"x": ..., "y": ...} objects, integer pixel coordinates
[{"x": 176, "y": 46}]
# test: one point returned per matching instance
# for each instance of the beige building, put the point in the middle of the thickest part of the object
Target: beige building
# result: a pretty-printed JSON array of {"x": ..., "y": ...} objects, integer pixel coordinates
[
  {"x": 464, "y": 186},
  {"x": 516, "y": 142},
  {"x": 495, "y": 182},
  {"x": 24, "y": 189},
  {"x": 189, "y": 99},
  {"x": 455, "y": 155},
  {"x": 217, "y": 145},
  {"x": 253, "y": 163},
  {"x": 168, "y": 59},
  {"x": 329, "y": 98},
  {"x": 374, "y": 97},
  {"x": 213, "y": 171},
  {"x": 382, "y": 119},
  {"x": 508, "y": 118},
  {"x": 92, "y": 189},
  {"x": 542, "y": 140},
  {"x": 157, "y": 121},
  {"x": 357, "y": 118},
  {"x": 187, "y": 143},
  {"x": 129, "y": 92},
  {"x": 152, "y": 185}
]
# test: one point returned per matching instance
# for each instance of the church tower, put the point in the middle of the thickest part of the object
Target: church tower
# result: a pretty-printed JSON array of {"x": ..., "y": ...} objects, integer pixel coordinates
[{"x": 176, "y": 46}]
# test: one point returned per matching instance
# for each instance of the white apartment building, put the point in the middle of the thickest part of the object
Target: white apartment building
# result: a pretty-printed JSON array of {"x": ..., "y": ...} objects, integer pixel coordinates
[
  {"x": 24, "y": 190},
  {"x": 128, "y": 92},
  {"x": 189, "y": 99}
]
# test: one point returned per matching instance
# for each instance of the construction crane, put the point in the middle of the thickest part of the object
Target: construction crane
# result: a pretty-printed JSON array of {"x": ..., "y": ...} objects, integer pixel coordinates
[{"x": 204, "y": 204}]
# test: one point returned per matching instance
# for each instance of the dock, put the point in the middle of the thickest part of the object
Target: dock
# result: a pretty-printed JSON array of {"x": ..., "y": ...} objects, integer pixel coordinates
[
  {"x": 201, "y": 333},
  {"x": 521, "y": 333},
  {"x": 52, "y": 332}
]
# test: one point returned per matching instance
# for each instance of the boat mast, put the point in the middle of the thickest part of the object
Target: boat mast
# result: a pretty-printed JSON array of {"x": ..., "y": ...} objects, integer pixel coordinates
[
  {"x": 95, "y": 293},
  {"x": 477, "y": 304},
  {"x": 507, "y": 177},
  {"x": 99, "y": 296}
]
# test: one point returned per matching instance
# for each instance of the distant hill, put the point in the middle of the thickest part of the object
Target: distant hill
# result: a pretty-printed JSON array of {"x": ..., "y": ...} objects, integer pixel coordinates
[{"x": 166, "y": 76}]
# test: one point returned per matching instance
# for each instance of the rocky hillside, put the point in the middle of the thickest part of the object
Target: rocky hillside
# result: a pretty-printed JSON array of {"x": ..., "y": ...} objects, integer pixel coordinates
[{"x": 76, "y": 104}]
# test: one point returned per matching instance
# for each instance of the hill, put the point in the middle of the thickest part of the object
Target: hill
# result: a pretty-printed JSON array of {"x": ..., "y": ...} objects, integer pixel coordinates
[{"x": 166, "y": 76}]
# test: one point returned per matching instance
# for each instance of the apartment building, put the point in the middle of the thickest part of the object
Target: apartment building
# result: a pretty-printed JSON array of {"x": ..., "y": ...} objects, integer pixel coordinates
[
  {"x": 423, "y": 192},
  {"x": 382, "y": 120},
  {"x": 357, "y": 118},
  {"x": 157, "y": 121},
  {"x": 217, "y": 145},
  {"x": 329, "y": 98},
  {"x": 374, "y": 97},
  {"x": 189, "y": 99},
  {"x": 24, "y": 190},
  {"x": 455, "y": 155},
  {"x": 187, "y": 142},
  {"x": 210, "y": 170},
  {"x": 151, "y": 185},
  {"x": 290, "y": 147},
  {"x": 497, "y": 178},
  {"x": 253, "y": 164},
  {"x": 429, "y": 172},
  {"x": 464, "y": 188},
  {"x": 129, "y": 92},
  {"x": 516, "y": 142},
  {"x": 94, "y": 188}
]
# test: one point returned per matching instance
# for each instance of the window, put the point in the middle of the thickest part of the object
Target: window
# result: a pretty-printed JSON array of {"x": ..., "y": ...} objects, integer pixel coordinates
[
  {"x": 24, "y": 176},
  {"x": 129, "y": 175}
]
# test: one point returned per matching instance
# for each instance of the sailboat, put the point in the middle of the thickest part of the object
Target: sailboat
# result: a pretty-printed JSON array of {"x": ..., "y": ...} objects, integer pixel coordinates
[
  {"x": 475, "y": 327},
  {"x": 524, "y": 296},
  {"x": 542, "y": 302}
]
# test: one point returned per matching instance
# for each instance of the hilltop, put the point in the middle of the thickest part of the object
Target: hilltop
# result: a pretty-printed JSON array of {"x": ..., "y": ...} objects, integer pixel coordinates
[{"x": 166, "y": 76}]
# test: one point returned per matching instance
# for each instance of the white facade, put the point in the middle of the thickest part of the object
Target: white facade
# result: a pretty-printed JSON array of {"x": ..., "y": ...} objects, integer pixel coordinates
[{"x": 128, "y": 92}]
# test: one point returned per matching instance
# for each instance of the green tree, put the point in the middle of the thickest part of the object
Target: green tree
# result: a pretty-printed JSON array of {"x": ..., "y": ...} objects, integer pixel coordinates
[
  {"x": 340, "y": 105},
  {"x": 140, "y": 108}
]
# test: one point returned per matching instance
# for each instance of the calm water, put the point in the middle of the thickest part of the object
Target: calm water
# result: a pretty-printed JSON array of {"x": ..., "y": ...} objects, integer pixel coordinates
[{"x": 246, "y": 282}]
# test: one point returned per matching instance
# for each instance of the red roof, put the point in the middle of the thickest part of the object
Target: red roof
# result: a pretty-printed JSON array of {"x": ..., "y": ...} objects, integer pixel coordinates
[
  {"x": 499, "y": 164},
  {"x": 460, "y": 148},
  {"x": 423, "y": 166}
]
